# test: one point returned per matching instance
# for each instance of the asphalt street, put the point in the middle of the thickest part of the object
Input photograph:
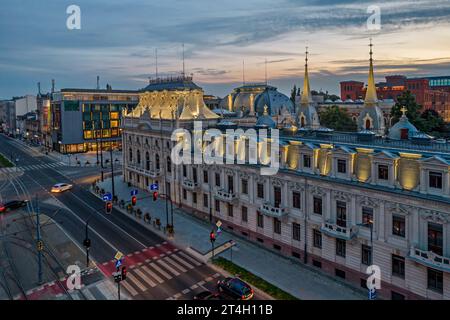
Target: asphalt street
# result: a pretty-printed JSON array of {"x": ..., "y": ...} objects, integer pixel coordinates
[{"x": 109, "y": 233}]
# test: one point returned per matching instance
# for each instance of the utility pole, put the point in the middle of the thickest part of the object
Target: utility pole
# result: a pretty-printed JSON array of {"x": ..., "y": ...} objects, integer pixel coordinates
[
  {"x": 39, "y": 242},
  {"x": 87, "y": 243},
  {"x": 112, "y": 172}
]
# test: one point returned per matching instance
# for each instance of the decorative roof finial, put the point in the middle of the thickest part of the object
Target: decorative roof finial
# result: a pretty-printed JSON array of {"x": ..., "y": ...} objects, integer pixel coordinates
[
  {"x": 306, "y": 94},
  {"x": 371, "y": 93},
  {"x": 403, "y": 110},
  {"x": 266, "y": 108}
]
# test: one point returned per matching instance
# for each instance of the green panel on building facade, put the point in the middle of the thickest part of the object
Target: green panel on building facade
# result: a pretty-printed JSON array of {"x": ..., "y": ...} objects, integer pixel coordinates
[{"x": 72, "y": 105}]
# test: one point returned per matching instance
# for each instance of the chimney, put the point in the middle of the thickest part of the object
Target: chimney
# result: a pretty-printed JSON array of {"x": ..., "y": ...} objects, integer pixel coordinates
[{"x": 53, "y": 85}]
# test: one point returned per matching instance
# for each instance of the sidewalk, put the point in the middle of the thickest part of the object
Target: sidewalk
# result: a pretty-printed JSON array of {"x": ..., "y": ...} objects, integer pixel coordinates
[{"x": 294, "y": 278}]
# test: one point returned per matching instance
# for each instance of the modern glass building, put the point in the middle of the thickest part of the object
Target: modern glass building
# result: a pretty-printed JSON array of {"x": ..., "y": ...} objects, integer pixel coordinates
[{"x": 83, "y": 120}]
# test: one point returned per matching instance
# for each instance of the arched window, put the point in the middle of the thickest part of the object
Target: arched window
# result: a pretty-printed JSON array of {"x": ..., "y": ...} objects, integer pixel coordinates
[
  {"x": 139, "y": 157},
  {"x": 147, "y": 161},
  {"x": 130, "y": 155},
  {"x": 169, "y": 165},
  {"x": 367, "y": 124},
  {"x": 157, "y": 161}
]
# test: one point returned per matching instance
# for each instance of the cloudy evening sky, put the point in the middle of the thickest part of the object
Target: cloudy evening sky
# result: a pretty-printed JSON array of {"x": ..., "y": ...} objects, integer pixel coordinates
[{"x": 118, "y": 38}]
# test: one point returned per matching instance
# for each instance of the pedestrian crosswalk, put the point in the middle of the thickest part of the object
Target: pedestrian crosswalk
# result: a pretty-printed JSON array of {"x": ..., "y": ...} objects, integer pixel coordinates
[
  {"x": 152, "y": 267},
  {"x": 50, "y": 165}
]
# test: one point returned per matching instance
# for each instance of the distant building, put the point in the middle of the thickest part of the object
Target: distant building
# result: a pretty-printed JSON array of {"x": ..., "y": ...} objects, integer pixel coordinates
[
  {"x": 8, "y": 116},
  {"x": 82, "y": 119},
  {"x": 430, "y": 92},
  {"x": 212, "y": 102}
]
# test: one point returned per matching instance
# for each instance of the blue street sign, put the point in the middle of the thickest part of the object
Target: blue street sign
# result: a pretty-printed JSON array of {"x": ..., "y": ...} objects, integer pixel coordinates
[
  {"x": 372, "y": 294},
  {"x": 118, "y": 263},
  {"x": 107, "y": 196},
  {"x": 154, "y": 187},
  {"x": 134, "y": 192},
  {"x": 219, "y": 231}
]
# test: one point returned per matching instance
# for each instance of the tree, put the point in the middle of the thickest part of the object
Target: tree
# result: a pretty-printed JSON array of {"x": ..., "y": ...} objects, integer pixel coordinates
[
  {"x": 338, "y": 119},
  {"x": 433, "y": 123},
  {"x": 293, "y": 93},
  {"x": 407, "y": 100}
]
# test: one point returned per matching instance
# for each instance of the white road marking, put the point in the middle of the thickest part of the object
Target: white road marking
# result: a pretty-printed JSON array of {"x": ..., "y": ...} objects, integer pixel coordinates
[
  {"x": 190, "y": 266},
  {"x": 152, "y": 274},
  {"x": 136, "y": 282},
  {"x": 175, "y": 264},
  {"x": 129, "y": 288},
  {"x": 190, "y": 259},
  {"x": 185, "y": 291},
  {"x": 172, "y": 270},
  {"x": 157, "y": 268},
  {"x": 146, "y": 279}
]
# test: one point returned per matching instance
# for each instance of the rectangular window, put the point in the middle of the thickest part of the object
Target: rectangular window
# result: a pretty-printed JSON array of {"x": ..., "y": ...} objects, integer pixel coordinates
[
  {"x": 217, "y": 176},
  {"x": 230, "y": 184},
  {"x": 244, "y": 213},
  {"x": 205, "y": 201},
  {"x": 366, "y": 255},
  {"x": 277, "y": 196},
  {"x": 259, "y": 219},
  {"x": 217, "y": 205},
  {"x": 341, "y": 213},
  {"x": 230, "y": 210},
  {"x": 398, "y": 266},
  {"x": 435, "y": 280},
  {"x": 184, "y": 194},
  {"x": 340, "y": 247},
  {"x": 260, "y": 190},
  {"x": 435, "y": 180},
  {"x": 276, "y": 226},
  {"x": 194, "y": 175},
  {"x": 296, "y": 231},
  {"x": 339, "y": 273},
  {"x": 435, "y": 238},
  {"x": 341, "y": 166},
  {"x": 244, "y": 186},
  {"x": 383, "y": 172},
  {"x": 317, "y": 239},
  {"x": 184, "y": 171},
  {"x": 398, "y": 226},
  {"x": 296, "y": 199},
  {"x": 317, "y": 203},
  {"x": 205, "y": 176},
  {"x": 194, "y": 197},
  {"x": 306, "y": 161},
  {"x": 367, "y": 216}
]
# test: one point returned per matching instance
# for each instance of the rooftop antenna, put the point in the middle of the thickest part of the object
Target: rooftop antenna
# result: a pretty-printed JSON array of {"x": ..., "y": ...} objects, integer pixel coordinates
[
  {"x": 156, "y": 62},
  {"x": 183, "y": 61},
  {"x": 265, "y": 71},
  {"x": 243, "y": 73},
  {"x": 98, "y": 82},
  {"x": 39, "y": 88},
  {"x": 53, "y": 85}
]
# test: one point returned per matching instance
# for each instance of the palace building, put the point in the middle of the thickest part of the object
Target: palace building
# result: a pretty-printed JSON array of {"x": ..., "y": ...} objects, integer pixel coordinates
[{"x": 339, "y": 202}]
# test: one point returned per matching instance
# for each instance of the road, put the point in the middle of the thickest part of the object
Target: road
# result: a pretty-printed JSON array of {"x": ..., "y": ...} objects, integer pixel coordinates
[{"x": 157, "y": 269}]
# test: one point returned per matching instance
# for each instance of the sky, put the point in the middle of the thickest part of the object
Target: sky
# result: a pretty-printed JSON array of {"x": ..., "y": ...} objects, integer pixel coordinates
[{"x": 118, "y": 38}]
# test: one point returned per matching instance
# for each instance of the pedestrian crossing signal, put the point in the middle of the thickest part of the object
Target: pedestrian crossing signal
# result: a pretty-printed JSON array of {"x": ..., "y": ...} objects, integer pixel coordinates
[
  {"x": 212, "y": 236},
  {"x": 155, "y": 195},
  {"x": 108, "y": 207},
  {"x": 133, "y": 200}
]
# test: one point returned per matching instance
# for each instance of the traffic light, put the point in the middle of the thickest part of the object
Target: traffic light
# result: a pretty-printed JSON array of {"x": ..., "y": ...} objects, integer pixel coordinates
[
  {"x": 155, "y": 195},
  {"x": 87, "y": 243},
  {"x": 124, "y": 273},
  {"x": 133, "y": 200},
  {"x": 108, "y": 207},
  {"x": 212, "y": 236}
]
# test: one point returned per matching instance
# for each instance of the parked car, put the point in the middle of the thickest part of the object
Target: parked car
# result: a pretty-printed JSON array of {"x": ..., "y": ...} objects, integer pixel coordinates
[
  {"x": 11, "y": 205},
  {"x": 61, "y": 187},
  {"x": 207, "y": 295},
  {"x": 235, "y": 288}
]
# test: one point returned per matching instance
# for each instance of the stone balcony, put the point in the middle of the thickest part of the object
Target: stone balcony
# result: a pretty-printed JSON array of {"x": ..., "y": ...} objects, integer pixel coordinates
[
  {"x": 189, "y": 184},
  {"x": 154, "y": 173},
  {"x": 224, "y": 195},
  {"x": 430, "y": 259},
  {"x": 336, "y": 231},
  {"x": 270, "y": 210}
]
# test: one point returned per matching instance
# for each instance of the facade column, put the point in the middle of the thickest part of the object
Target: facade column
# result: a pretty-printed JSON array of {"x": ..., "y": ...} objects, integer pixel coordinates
[
  {"x": 381, "y": 225},
  {"x": 423, "y": 180}
]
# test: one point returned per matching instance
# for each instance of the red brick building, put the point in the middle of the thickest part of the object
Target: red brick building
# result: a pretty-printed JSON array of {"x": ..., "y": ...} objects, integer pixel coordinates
[{"x": 430, "y": 93}]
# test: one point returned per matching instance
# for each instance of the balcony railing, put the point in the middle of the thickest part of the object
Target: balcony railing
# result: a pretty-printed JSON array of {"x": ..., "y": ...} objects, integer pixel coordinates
[
  {"x": 334, "y": 230},
  {"x": 270, "y": 210},
  {"x": 154, "y": 173},
  {"x": 430, "y": 259},
  {"x": 189, "y": 184},
  {"x": 224, "y": 195}
]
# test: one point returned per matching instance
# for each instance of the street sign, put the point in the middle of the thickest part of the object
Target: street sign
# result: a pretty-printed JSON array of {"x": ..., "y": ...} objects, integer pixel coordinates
[
  {"x": 118, "y": 263},
  {"x": 154, "y": 187},
  {"x": 134, "y": 192},
  {"x": 219, "y": 224},
  {"x": 118, "y": 256},
  {"x": 107, "y": 196},
  {"x": 372, "y": 294}
]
